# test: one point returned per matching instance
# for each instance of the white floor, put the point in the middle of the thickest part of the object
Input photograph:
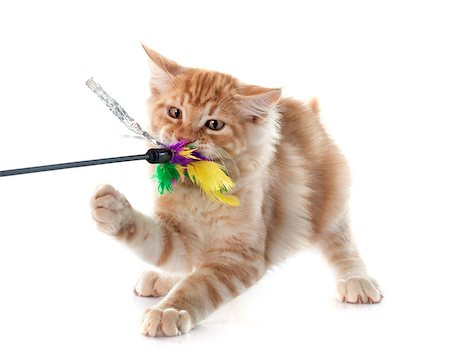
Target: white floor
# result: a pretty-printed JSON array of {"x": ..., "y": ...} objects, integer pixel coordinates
[{"x": 381, "y": 73}]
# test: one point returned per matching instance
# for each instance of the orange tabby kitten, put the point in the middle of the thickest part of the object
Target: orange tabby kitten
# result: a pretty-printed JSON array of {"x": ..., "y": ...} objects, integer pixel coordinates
[{"x": 292, "y": 181}]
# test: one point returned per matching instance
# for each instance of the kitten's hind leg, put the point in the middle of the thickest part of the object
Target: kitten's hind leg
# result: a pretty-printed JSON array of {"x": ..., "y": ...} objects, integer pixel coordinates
[
  {"x": 155, "y": 284},
  {"x": 354, "y": 284}
]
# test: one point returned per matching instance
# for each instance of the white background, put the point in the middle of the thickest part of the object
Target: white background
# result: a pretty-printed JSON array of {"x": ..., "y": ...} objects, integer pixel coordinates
[{"x": 381, "y": 71}]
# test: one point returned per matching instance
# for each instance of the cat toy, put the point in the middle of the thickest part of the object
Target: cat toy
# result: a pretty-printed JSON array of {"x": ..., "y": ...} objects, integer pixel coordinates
[{"x": 176, "y": 163}]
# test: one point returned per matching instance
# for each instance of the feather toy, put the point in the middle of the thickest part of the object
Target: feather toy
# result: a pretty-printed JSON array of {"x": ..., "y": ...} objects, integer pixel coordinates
[
  {"x": 187, "y": 164},
  {"x": 176, "y": 163}
]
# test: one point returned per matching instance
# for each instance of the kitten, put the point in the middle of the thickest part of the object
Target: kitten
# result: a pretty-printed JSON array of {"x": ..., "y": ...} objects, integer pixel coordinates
[{"x": 291, "y": 179}]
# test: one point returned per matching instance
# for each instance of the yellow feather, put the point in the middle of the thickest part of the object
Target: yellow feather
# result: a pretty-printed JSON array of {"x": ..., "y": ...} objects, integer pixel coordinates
[
  {"x": 210, "y": 177},
  {"x": 180, "y": 171},
  {"x": 187, "y": 153},
  {"x": 231, "y": 200}
]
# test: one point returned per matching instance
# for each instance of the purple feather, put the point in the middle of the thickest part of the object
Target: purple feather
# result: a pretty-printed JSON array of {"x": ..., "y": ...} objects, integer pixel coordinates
[
  {"x": 178, "y": 146},
  {"x": 200, "y": 156},
  {"x": 179, "y": 159}
]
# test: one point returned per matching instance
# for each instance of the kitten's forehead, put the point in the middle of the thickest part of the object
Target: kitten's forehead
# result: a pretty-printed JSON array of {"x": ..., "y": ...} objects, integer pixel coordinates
[{"x": 202, "y": 88}]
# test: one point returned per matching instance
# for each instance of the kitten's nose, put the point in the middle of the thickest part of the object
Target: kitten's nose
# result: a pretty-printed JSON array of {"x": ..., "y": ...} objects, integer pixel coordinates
[{"x": 185, "y": 135}]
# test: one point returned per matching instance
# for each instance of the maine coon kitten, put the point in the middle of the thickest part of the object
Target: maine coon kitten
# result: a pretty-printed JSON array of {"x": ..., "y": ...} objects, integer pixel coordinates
[{"x": 292, "y": 182}]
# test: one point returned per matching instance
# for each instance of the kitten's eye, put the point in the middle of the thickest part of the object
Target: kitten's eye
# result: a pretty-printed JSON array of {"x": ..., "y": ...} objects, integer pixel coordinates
[
  {"x": 215, "y": 125},
  {"x": 174, "y": 112}
]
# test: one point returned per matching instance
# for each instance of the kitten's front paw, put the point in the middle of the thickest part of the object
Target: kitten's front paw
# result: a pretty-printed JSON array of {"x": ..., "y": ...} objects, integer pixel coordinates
[
  {"x": 166, "y": 322},
  {"x": 359, "y": 290},
  {"x": 111, "y": 210},
  {"x": 155, "y": 284}
]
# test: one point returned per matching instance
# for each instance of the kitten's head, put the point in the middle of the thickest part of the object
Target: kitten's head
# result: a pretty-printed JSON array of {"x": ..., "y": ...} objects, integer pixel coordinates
[{"x": 214, "y": 111}]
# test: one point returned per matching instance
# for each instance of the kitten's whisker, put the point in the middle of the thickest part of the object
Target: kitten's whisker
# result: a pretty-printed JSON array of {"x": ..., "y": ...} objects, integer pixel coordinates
[
  {"x": 221, "y": 160},
  {"x": 221, "y": 149},
  {"x": 216, "y": 151}
]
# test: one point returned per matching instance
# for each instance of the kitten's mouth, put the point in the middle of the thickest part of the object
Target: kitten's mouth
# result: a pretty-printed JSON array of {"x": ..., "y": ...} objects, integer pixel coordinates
[{"x": 210, "y": 152}]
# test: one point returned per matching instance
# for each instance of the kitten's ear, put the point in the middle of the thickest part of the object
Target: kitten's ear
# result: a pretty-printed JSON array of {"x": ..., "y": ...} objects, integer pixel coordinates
[
  {"x": 256, "y": 102},
  {"x": 162, "y": 71}
]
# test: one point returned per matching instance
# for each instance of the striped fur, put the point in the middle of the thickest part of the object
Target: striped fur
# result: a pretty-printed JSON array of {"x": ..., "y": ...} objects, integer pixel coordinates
[{"x": 291, "y": 179}]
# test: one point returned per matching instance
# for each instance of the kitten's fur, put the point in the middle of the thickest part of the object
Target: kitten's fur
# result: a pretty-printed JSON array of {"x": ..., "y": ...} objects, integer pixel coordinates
[{"x": 292, "y": 181}]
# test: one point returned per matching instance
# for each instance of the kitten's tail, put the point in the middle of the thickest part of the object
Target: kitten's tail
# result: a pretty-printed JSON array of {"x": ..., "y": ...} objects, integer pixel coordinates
[{"x": 314, "y": 104}]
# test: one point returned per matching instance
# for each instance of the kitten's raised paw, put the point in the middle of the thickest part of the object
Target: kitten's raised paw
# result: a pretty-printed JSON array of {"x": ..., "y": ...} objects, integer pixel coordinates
[
  {"x": 111, "y": 210},
  {"x": 154, "y": 284},
  {"x": 359, "y": 290},
  {"x": 165, "y": 322}
]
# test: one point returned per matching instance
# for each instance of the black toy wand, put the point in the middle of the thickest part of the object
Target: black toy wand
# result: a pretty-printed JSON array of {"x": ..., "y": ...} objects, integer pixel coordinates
[{"x": 153, "y": 156}]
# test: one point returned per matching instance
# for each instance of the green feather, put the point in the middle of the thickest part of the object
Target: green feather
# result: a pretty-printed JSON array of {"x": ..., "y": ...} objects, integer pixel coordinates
[{"x": 165, "y": 174}]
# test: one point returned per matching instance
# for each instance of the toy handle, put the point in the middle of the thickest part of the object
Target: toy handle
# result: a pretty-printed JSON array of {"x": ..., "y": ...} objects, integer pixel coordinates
[
  {"x": 158, "y": 156},
  {"x": 153, "y": 156}
]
